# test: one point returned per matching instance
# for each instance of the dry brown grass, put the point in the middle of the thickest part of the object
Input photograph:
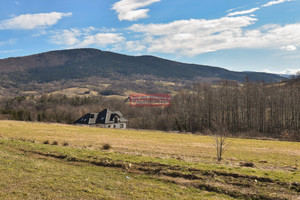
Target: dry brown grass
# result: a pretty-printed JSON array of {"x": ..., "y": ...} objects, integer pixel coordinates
[
  {"x": 191, "y": 148},
  {"x": 190, "y": 159}
]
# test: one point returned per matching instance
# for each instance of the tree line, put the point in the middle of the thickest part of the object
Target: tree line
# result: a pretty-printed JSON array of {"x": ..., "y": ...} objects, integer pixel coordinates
[{"x": 253, "y": 109}]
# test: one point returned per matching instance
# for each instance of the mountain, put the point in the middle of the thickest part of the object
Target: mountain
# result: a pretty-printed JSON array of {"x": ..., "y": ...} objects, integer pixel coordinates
[{"x": 82, "y": 63}]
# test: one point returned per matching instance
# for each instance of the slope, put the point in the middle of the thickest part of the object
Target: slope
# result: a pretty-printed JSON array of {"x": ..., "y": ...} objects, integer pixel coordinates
[{"x": 82, "y": 63}]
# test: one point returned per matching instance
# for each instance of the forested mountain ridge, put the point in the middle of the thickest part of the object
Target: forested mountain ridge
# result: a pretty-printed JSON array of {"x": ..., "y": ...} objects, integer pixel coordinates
[{"x": 82, "y": 63}]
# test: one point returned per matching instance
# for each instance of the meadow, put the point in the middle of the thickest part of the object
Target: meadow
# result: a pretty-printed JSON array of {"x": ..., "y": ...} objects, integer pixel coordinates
[{"x": 56, "y": 161}]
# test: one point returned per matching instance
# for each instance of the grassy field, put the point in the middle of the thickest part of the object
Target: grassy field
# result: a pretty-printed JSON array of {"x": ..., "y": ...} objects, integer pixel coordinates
[{"x": 140, "y": 165}]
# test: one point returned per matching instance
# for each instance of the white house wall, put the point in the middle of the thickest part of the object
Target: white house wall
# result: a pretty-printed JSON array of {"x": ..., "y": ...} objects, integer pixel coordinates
[{"x": 119, "y": 125}]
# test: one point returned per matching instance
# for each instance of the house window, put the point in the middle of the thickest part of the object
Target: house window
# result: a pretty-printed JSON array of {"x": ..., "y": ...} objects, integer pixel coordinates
[
  {"x": 121, "y": 126},
  {"x": 108, "y": 126},
  {"x": 114, "y": 126}
]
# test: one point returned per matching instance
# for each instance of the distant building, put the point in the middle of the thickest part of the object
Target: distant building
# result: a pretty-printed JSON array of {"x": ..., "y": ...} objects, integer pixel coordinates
[{"x": 106, "y": 118}]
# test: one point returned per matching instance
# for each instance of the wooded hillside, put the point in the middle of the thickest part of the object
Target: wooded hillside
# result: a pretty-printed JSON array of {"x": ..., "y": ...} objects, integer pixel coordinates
[
  {"x": 83, "y": 63},
  {"x": 254, "y": 109}
]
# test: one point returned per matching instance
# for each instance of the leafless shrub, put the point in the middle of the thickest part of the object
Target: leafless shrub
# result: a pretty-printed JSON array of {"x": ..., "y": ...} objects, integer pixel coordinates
[
  {"x": 221, "y": 142},
  {"x": 284, "y": 135}
]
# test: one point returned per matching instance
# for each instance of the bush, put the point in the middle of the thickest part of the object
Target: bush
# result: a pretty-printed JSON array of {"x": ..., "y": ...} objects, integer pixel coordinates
[
  {"x": 284, "y": 135},
  {"x": 46, "y": 142},
  {"x": 54, "y": 143},
  {"x": 247, "y": 164},
  {"x": 65, "y": 144},
  {"x": 106, "y": 146}
]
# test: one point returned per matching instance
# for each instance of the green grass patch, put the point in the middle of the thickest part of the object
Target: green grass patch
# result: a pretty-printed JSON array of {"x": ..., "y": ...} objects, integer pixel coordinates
[
  {"x": 25, "y": 176},
  {"x": 50, "y": 159}
]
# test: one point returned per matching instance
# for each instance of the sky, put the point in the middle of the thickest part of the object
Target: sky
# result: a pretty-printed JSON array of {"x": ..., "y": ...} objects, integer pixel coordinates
[{"x": 239, "y": 35}]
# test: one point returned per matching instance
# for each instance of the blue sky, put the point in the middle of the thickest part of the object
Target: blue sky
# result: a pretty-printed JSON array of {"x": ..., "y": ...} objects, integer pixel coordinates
[{"x": 240, "y": 35}]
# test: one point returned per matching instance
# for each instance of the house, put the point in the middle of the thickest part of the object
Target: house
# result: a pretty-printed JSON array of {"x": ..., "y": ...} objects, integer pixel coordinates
[{"x": 106, "y": 118}]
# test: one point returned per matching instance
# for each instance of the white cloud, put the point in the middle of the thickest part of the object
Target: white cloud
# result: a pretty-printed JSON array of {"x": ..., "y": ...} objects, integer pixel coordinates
[
  {"x": 289, "y": 48},
  {"x": 291, "y": 71},
  {"x": 186, "y": 37},
  {"x": 32, "y": 21},
  {"x": 230, "y": 10},
  {"x": 101, "y": 39},
  {"x": 135, "y": 46},
  {"x": 197, "y": 36},
  {"x": 8, "y": 42},
  {"x": 66, "y": 37},
  {"x": 244, "y": 12},
  {"x": 202, "y": 27},
  {"x": 286, "y": 71},
  {"x": 130, "y": 9},
  {"x": 10, "y": 51},
  {"x": 192, "y": 37},
  {"x": 39, "y": 32},
  {"x": 271, "y": 3},
  {"x": 75, "y": 38}
]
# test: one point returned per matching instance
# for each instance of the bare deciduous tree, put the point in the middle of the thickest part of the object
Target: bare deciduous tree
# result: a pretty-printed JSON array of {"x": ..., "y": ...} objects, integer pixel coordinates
[{"x": 221, "y": 144}]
